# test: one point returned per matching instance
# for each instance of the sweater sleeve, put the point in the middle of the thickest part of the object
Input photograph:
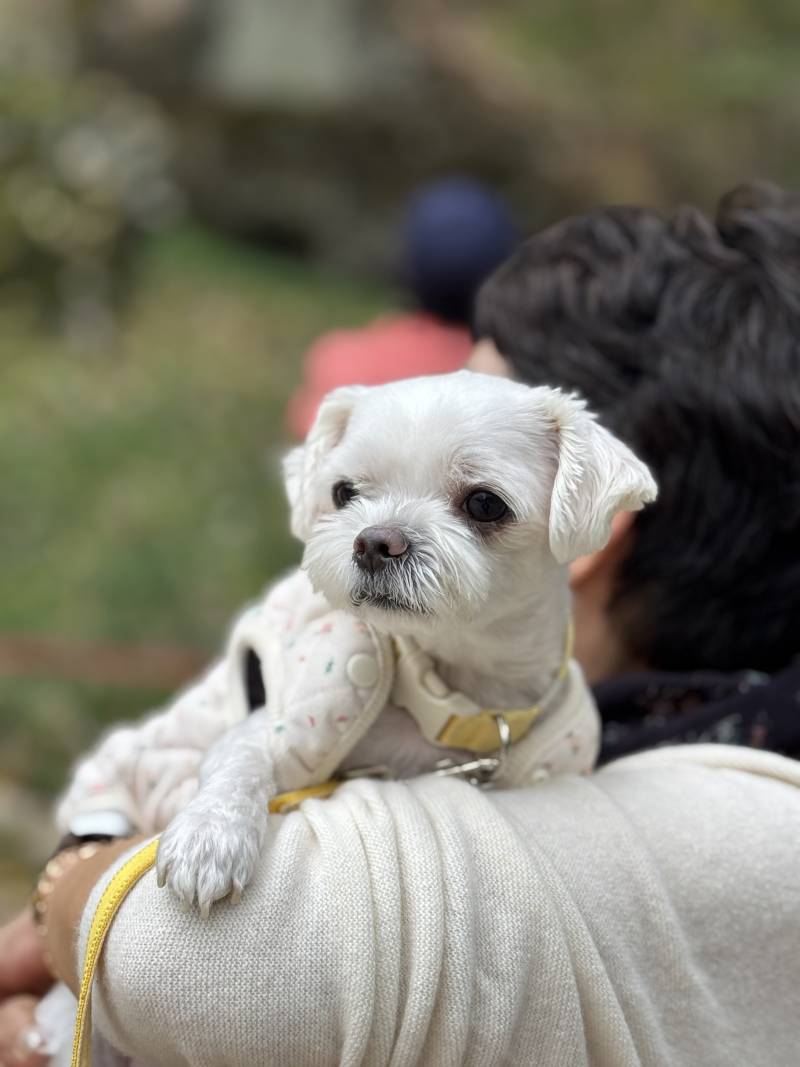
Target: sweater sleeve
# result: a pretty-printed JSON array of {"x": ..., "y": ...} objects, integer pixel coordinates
[{"x": 586, "y": 922}]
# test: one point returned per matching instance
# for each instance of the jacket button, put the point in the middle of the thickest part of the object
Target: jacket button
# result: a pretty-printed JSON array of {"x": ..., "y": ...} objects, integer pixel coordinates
[{"x": 362, "y": 670}]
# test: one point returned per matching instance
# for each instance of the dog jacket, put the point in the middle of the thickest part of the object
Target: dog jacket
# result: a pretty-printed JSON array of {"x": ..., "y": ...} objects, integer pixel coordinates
[{"x": 325, "y": 677}]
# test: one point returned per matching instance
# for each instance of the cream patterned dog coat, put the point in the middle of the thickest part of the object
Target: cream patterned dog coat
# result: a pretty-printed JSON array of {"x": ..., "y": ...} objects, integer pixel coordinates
[{"x": 327, "y": 677}]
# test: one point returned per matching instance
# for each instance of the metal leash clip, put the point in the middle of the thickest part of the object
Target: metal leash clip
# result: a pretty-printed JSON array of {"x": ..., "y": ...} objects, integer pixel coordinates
[{"x": 481, "y": 770}]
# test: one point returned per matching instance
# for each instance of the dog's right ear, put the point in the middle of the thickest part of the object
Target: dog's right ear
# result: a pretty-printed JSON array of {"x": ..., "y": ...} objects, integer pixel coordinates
[{"x": 301, "y": 465}]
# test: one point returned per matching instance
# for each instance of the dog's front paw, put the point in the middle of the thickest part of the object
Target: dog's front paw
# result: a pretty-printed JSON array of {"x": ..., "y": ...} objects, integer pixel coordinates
[{"x": 206, "y": 853}]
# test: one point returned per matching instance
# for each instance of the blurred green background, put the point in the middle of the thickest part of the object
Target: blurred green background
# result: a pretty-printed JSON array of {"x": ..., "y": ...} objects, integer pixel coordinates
[
  {"x": 141, "y": 496},
  {"x": 190, "y": 192}
]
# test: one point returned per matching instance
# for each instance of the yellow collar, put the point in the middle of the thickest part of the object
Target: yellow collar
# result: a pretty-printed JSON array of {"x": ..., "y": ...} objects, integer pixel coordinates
[{"x": 451, "y": 720}]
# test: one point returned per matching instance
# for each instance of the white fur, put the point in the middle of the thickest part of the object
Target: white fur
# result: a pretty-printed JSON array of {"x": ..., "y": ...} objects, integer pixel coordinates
[
  {"x": 490, "y": 604},
  {"x": 210, "y": 848},
  {"x": 597, "y": 477}
]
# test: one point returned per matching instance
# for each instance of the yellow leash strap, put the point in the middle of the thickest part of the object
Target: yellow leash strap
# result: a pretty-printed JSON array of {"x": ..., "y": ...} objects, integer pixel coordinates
[
  {"x": 286, "y": 802},
  {"x": 132, "y": 870}
]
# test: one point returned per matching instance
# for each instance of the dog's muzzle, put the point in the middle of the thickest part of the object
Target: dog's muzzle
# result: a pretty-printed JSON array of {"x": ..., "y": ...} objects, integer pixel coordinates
[{"x": 376, "y": 547}]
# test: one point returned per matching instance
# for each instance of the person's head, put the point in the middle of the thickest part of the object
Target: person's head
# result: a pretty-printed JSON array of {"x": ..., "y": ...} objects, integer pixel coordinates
[
  {"x": 456, "y": 232},
  {"x": 684, "y": 336}
]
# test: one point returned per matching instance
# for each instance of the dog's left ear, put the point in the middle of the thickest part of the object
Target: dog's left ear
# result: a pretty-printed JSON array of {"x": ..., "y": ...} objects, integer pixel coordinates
[
  {"x": 300, "y": 466},
  {"x": 597, "y": 476}
]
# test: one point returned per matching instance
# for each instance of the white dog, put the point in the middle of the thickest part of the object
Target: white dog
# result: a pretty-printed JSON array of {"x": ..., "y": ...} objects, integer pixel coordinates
[{"x": 438, "y": 516}]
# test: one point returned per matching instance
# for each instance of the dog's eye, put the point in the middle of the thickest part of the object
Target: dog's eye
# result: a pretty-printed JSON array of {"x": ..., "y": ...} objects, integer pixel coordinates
[
  {"x": 343, "y": 493},
  {"x": 483, "y": 506}
]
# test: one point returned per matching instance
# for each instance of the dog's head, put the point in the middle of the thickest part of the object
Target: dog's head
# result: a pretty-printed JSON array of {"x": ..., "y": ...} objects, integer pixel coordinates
[{"x": 430, "y": 500}]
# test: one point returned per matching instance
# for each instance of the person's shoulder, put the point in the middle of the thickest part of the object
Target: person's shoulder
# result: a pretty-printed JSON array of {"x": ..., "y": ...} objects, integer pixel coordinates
[{"x": 713, "y": 757}]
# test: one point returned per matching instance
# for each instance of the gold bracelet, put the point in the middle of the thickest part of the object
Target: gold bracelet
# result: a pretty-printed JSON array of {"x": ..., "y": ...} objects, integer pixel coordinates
[{"x": 40, "y": 902}]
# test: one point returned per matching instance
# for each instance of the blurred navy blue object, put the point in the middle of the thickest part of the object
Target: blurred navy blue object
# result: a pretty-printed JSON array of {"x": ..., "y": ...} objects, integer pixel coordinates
[{"x": 456, "y": 232}]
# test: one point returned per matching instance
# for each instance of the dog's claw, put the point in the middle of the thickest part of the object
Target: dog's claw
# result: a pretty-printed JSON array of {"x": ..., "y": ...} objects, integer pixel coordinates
[
  {"x": 161, "y": 879},
  {"x": 207, "y": 856}
]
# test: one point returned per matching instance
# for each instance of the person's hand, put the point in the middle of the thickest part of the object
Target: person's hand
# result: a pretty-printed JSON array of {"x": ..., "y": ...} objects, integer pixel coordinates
[
  {"x": 24, "y": 977},
  {"x": 22, "y": 966}
]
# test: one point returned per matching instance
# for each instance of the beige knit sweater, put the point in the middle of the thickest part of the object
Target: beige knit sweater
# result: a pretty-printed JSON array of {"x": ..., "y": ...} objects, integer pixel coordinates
[{"x": 648, "y": 915}]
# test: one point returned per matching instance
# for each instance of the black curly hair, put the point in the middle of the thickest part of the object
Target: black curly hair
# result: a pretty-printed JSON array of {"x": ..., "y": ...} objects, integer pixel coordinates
[{"x": 683, "y": 334}]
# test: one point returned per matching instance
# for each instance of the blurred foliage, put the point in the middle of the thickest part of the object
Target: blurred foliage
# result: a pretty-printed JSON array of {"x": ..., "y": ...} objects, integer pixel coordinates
[
  {"x": 84, "y": 168},
  {"x": 144, "y": 491},
  {"x": 675, "y": 98},
  {"x": 310, "y": 124}
]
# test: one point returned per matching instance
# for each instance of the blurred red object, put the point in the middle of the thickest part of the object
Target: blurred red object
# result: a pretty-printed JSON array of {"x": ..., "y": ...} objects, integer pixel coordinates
[{"x": 392, "y": 347}]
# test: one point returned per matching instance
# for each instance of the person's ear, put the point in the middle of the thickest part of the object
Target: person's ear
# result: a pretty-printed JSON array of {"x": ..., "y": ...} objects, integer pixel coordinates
[
  {"x": 596, "y": 477},
  {"x": 301, "y": 464},
  {"x": 584, "y": 568}
]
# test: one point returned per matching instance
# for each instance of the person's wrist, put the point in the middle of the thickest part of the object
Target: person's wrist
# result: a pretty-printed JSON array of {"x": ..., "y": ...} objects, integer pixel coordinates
[
  {"x": 67, "y": 901},
  {"x": 86, "y": 832},
  {"x": 71, "y": 841},
  {"x": 67, "y": 855}
]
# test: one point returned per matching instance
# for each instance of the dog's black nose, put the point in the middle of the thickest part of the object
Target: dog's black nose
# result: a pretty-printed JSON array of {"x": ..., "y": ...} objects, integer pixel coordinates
[{"x": 376, "y": 546}]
